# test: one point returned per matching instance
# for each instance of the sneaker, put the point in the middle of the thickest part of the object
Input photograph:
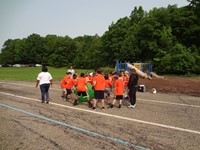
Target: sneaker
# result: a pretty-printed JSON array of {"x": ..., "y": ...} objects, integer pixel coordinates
[
  {"x": 42, "y": 101},
  {"x": 94, "y": 108},
  {"x": 131, "y": 106},
  {"x": 110, "y": 106},
  {"x": 90, "y": 105},
  {"x": 47, "y": 101},
  {"x": 75, "y": 103},
  {"x": 119, "y": 106},
  {"x": 103, "y": 108}
]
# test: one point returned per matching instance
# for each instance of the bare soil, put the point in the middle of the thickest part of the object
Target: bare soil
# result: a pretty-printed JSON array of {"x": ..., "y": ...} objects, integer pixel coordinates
[{"x": 179, "y": 85}]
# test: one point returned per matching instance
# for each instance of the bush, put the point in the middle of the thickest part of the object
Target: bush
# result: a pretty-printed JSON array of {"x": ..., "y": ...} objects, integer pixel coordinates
[{"x": 107, "y": 70}]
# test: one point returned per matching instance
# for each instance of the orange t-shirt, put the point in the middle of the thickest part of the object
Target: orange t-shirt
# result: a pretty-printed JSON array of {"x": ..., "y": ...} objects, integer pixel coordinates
[
  {"x": 63, "y": 83},
  {"x": 119, "y": 87},
  {"x": 126, "y": 78},
  {"x": 88, "y": 79},
  {"x": 111, "y": 78},
  {"x": 81, "y": 83},
  {"x": 70, "y": 83},
  {"x": 108, "y": 83},
  {"x": 100, "y": 82}
]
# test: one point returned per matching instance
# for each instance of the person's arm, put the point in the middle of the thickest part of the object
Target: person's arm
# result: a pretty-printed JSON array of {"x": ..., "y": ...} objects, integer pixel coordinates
[
  {"x": 51, "y": 82},
  {"x": 86, "y": 86},
  {"x": 130, "y": 82},
  {"x": 37, "y": 82}
]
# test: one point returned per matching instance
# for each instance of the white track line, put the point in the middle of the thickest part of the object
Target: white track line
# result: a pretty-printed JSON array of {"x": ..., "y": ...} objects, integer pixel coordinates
[
  {"x": 169, "y": 103},
  {"x": 141, "y": 99},
  {"x": 110, "y": 115}
]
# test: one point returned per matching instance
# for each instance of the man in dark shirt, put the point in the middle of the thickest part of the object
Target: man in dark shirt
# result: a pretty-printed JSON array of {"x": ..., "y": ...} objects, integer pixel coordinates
[{"x": 132, "y": 86}]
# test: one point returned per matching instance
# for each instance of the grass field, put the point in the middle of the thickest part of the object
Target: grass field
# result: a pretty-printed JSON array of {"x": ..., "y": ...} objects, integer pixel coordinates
[{"x": 30, "y": 73}]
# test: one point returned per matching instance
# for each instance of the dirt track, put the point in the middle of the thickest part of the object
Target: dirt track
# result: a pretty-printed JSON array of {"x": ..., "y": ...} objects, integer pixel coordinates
[{"x": 160, "y": 122}]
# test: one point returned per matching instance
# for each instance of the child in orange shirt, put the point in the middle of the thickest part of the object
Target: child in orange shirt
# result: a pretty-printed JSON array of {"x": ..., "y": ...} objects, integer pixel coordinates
[
  {"x": 70, "y": 86},
  {"x": 119, "y": 91},
  {"x": 126, "y": 79},
  {"x": 108, "y": 86},
  {"x": 63, "y": 84},
  {"x": 82, "y": 88},
  {"x": 99, "y": 86}
]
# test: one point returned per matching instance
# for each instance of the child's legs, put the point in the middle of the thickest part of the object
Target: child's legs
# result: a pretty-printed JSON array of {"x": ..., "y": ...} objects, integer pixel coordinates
[
  {"x": 119, "y": 99},
  {"x": 63, "y": 92},
  {"x": 94, "y": 102},
  {"x": 102, "y": 103},
  {"x": 120, "y": 102},
  {"x": 114, "y": 100}
]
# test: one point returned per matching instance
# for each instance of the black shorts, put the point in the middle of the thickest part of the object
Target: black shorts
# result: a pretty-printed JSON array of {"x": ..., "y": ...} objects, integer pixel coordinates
[
  {"x": 99, "y": 94},
  {"x": 84, "y": 94},
  {"x": 119, "y": 97},
  {"x": 69, "y": 91}
]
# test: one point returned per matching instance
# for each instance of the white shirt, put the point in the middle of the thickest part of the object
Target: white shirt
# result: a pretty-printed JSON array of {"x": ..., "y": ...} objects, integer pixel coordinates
[
  {"x": 72, "y": 71},
  {"x": 44, "y": 77}
]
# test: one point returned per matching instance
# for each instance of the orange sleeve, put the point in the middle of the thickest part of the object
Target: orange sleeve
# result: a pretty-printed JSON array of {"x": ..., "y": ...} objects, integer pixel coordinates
[{"x": 119, "y": 87}]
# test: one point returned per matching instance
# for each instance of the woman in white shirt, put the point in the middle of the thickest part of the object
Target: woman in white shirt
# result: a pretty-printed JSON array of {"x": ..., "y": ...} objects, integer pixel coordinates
[{"x": 45, "y": 80}]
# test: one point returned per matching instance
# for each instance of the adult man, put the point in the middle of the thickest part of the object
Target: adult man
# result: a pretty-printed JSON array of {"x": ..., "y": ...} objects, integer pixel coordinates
[{"x": 132, "y": 86}]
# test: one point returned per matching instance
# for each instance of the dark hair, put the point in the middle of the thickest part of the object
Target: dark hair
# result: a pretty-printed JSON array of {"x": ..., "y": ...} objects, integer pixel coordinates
[
  {"x": 82, "y": 74},
  {"x": 119, "y": 74},
  {"x": 74, "y": 76},
  {"x": 106, "y": 76},
  {"x": 68, "y": 72},
  {"x": 44, "y": 69},
  {"x": 116, "y": 77},
  {"x": 99, "y": 71}
]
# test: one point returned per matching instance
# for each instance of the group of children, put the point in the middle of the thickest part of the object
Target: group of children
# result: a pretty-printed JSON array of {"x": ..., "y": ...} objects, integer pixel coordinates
[{"x": 103, "y": 84}]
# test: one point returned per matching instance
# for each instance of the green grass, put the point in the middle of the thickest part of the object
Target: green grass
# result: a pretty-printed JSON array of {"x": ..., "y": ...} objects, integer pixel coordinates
[{"x": 30, "y": 73}]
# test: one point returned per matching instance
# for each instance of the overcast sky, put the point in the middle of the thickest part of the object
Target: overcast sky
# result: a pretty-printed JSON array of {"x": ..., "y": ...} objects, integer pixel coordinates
[{"x": 21, "y": 18}]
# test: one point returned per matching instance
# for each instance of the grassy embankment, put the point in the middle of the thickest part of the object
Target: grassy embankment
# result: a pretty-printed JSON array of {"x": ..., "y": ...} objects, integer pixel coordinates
[{"x": 30, "y": 73}]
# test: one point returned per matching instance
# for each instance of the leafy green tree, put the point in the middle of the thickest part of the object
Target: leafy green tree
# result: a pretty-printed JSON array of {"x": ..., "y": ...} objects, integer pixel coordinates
[
  {"x": 88, "y": 51},
  {"x": 179, "y": 60},
  {"x": 8, "y": 53},
  {"x": 195, "y": 4},
  {"x": 112, "y": 41},
  {"x": 33, "y": 50},
  {"x": 64, "y": 52}
]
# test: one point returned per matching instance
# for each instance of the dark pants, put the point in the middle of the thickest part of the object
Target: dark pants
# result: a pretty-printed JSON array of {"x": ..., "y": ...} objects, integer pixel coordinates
[
  {"x": 132, "y": 95},
  {"x": 44, "y": 88}
]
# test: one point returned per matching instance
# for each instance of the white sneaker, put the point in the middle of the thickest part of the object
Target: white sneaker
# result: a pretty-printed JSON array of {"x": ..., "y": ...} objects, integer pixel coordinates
[{"x": 131, "y": 106}]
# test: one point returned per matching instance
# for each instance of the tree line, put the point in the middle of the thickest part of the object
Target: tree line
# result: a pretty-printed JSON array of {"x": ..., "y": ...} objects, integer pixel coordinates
[{"x": 166, "y": 37}]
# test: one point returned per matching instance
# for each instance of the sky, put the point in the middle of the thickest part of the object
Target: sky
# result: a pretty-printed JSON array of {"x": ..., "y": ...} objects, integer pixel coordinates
[{"x": 21, "y": 18}]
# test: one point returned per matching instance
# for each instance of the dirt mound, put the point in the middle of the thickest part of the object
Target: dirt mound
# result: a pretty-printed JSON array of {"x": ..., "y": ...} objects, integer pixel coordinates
[{"x": 183, "y": 85}]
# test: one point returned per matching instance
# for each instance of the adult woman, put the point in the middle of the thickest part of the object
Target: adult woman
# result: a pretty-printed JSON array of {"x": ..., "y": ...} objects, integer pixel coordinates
[{"x": 45, "y": 80}]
